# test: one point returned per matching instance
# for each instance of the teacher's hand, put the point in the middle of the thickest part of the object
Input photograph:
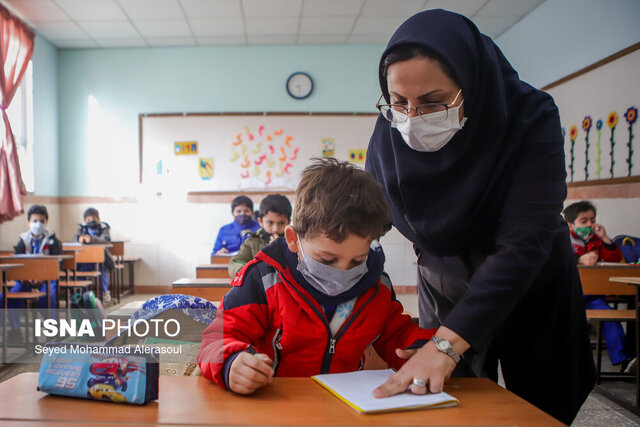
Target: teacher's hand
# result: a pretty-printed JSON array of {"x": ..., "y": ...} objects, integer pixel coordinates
[{"x": 427, "y": 364}]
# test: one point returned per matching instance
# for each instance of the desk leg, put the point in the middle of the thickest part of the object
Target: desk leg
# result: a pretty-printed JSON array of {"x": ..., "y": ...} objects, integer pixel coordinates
[
  {"x": 5, "y": 316},
  {"x": 637, "y": 346}
]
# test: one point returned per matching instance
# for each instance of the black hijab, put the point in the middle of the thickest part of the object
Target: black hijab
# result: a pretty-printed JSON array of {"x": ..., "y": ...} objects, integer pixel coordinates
[{"x": 449, "y": 201}]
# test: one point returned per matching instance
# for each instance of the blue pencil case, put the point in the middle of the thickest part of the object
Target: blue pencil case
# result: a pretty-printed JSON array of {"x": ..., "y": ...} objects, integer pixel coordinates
[{"x": 112, "y": 374}]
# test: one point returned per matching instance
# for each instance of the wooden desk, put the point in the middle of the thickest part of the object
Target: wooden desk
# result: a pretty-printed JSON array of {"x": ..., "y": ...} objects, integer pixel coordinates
[
  {"x": 221, "y": 259},
  {"x": 41, "y": 268},
  {"x": 212, "y": 270},
  {"x": 212, "y": 289},
  {"x": 594, "y": 276},
  {"x": 287, "y": 401},
  {"x": 634, "y": 281}
]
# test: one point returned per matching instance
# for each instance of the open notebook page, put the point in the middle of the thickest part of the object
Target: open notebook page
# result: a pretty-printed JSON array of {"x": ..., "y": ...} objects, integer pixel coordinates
[{"x": 356, "y": 388}]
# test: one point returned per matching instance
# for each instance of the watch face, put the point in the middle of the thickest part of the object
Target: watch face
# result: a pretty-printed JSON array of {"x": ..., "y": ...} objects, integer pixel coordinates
[
  {"x": 442, "y": 345},
  {"x": 299, "y": 85}
]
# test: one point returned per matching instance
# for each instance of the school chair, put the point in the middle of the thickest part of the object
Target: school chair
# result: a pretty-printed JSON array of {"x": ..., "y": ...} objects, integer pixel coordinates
[
  {"x": 94, "y": 254},
  {"x": 117, "y": 252},
  {"x": 35, "y": 269},
  {"x": 599, "y": 287},
  {"x": 71, "y": 283}
]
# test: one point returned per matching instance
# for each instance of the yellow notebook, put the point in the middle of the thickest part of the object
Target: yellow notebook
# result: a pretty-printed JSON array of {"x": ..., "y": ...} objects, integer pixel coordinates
[{"x": 356, "y": 388}]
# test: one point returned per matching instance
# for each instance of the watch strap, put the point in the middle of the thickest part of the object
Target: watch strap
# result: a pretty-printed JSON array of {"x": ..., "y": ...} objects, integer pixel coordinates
[{"x": 448, "y": 350}]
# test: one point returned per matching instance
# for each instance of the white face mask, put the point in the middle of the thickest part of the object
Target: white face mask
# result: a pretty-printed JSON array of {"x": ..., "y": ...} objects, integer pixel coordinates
[
  {"x": 36, "y": 227},
  {"x": 326, "y": 279},
  {"x": 429, "y": 132}
]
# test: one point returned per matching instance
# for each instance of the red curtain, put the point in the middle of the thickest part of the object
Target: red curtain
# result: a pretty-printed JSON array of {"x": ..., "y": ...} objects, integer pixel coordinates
[{"x": 16, "y": 48}]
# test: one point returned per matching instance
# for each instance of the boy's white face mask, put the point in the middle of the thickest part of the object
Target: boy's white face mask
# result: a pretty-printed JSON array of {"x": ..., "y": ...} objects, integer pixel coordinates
[
  {"x": 326, "y": 279},
  {"x": 37, "y": 228},
  {"x": 429, "y": 133}
]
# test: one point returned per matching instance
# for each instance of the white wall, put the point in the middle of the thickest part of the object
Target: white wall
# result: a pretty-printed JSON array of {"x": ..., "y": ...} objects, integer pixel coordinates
[{"x": 560, "y": 37}]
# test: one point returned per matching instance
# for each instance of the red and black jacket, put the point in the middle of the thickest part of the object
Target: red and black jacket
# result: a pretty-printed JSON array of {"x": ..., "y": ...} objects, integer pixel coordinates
[
  {"x": 608, "y": 253},
  {"x": 268, "y": 309}
]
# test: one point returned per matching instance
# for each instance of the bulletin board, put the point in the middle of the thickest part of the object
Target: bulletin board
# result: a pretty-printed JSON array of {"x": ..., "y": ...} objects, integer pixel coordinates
[
  {"x": 230, "y": 152},
  {"x": 598, "y": 111}
]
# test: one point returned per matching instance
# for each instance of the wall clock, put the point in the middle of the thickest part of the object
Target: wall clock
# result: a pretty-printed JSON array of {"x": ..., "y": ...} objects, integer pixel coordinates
[{"x": 299, "y": 85}]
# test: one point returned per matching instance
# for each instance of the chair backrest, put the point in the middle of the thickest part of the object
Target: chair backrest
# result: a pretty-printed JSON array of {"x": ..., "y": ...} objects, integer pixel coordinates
[
  {"x": 629, "y": 246},
  {"x": 36, "y": 269},
  {"x": 92, "y": 254},
  {"x": 117, "y": 250},
  {"x": 595, "y": 280},
  {"x": 68, "y": 263}
]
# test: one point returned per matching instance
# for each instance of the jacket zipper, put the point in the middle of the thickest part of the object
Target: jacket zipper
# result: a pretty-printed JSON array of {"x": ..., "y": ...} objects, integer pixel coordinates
[
  {"x": 326, "y": 362},
  {"x": 333, "y": 340}
]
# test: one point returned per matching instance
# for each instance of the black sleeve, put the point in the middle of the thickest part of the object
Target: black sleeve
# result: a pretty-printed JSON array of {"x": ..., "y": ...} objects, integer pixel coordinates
[
  {"x": 20, "y": 248},
  {"x": 529, "y": 222},
  {"x": 56, "y": 248}
]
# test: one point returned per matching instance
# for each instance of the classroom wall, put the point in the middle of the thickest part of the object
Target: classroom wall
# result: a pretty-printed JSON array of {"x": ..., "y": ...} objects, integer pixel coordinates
[
  {"x": 123, "y": 83},
  {"x": 560, "y": 37},
  {"x": 45, "y": 117}
]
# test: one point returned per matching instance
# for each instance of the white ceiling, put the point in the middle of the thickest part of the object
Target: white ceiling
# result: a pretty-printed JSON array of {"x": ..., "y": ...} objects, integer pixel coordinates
[{"x": 151, "y": 23}]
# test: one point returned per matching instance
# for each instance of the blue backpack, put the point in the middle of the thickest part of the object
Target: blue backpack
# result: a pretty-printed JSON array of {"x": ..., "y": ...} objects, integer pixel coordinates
[{"x": 629, "y": 246}]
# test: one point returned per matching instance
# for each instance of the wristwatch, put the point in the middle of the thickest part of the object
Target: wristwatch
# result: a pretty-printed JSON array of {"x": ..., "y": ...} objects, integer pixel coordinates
[{"x": 444, "y": 346}]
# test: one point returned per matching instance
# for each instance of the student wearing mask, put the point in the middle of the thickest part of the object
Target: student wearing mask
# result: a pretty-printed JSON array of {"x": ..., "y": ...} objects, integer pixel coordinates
[
  {"x": 230, "y": 236},
  {"x": 93, "y": 231},
  {"x": 38, "y": 240},
  {"x": 274, "y": 215}
]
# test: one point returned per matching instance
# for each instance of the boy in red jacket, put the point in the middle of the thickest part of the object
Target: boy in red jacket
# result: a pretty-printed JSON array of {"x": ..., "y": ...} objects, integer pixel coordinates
[
  {"x": 592, "y": 244},
  {"x": 312, "y": 301}
]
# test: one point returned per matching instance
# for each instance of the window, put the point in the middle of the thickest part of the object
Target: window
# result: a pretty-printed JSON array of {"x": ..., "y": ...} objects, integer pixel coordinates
[{"x": 20, "y": 114}]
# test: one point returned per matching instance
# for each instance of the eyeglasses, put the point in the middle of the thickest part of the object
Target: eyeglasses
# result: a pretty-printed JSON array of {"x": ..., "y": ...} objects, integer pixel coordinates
[{"x": 431, "y": 112}]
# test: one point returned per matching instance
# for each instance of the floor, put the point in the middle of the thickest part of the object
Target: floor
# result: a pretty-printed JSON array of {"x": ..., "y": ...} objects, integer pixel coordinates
[{"x": 598, "y": 410}]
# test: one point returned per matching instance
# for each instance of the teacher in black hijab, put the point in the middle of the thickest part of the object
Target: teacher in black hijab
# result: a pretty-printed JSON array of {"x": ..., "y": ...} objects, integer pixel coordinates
[{"x": 472, "y": 162}]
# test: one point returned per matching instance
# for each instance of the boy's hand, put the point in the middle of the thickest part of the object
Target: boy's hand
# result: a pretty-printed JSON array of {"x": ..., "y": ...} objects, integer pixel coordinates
[
  {"x": 590, "y": 258},
  {"x": 249, "y": 372},
  {"x": 405, "y": 354},
  {"x": 222, "y": 251},
  {"x": 273, "y": 237},
  {"x": 599, "y": 231},
  {"x": 85, "y": 238}
]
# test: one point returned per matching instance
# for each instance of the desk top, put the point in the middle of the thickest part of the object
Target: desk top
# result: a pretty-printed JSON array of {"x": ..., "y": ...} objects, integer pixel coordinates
[
  {"x": 213, "y": 266},
  {"x": 73, "y": 245},
  {"x": 30, "y": 256},
  {"x": 203, "y": 282},
  {"x": 628, "y": 280},
  {"x": 607, "y": 265},
  {"x": 287, "y": 401},
  {"x": 10, "y": 266}
]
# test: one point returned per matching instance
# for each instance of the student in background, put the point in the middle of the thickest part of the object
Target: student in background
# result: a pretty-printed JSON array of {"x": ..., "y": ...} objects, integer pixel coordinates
[
  {"x": 38, "y": 240},
  {"x": 95, "y": 232},
  {"x": 230, "y": 236},
  {"x": 592, "y": 244},
  {"x": 589, "y": 240},
  {"x": 274, "y": 215},
  {"x": 312, "y": 302}
]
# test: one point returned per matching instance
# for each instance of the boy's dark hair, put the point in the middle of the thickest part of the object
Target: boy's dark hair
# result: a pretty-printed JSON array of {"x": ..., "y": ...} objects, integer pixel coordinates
[
  {"x": 241, "y": 200},
  {"x": 91, "y": 212},
  {"x": 39, "y": 210},
  {"x": 276, "y": 203},
  {"x": 572, "y": 211},
  {"x": 336, "y": 199}
]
